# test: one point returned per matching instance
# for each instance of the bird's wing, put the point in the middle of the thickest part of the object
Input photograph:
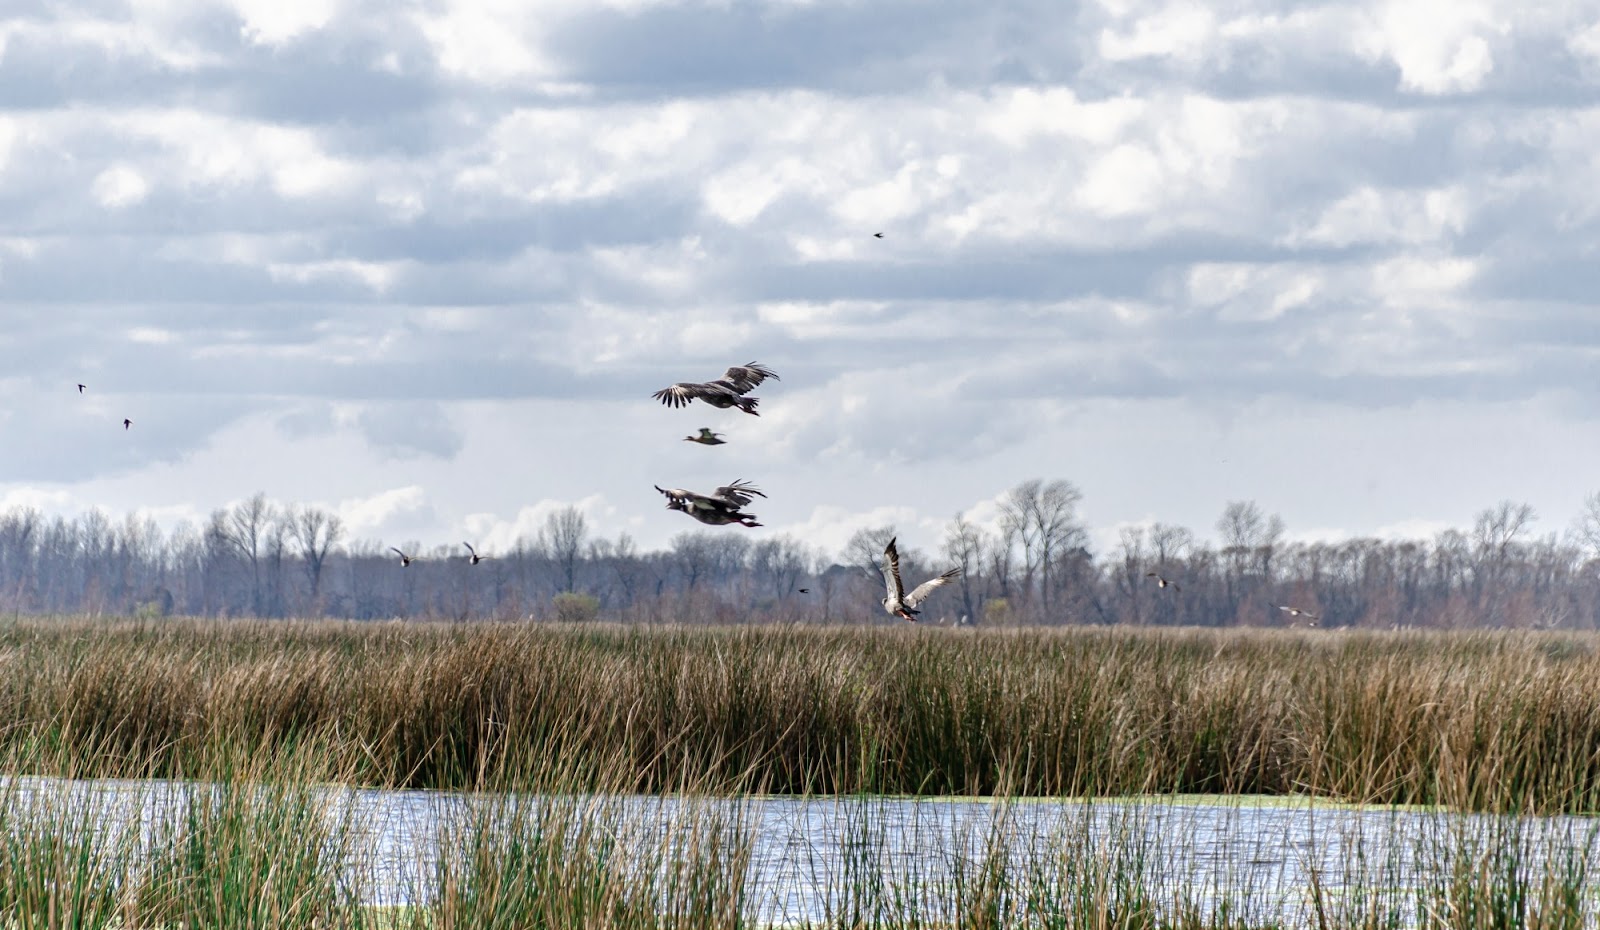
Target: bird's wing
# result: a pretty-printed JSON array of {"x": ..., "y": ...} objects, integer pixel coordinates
[
  {"x": 921, "y": 592},
  {"x": 739, "y": 493},
  {"x": 672, "y": 494},
  {"x": 681, "y": 393},
  {"x": 744, "y": 378},
  {"x": 396, "y": 551},
  {"x": 703, "y": 502},
  {"x": 891, "y": 572},
  {"x": 1151, "y": 575},
  {"x": 1289, "y": 609},
  {"x": 469, "y": 548}
]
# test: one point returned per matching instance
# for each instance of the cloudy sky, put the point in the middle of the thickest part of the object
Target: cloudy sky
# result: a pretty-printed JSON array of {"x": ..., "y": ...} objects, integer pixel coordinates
[{"x": 424, "y": 262}]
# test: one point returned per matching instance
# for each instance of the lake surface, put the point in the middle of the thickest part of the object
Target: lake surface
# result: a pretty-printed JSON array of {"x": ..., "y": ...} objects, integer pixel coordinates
[{"x": 811, "y": 857}]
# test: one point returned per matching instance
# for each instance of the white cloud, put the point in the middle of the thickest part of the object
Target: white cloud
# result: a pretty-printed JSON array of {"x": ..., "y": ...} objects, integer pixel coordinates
[
  {"x": 1368, "y": 215},
  {"x": 1440, "y": 46},
  {"x": 374, "y": 514},
  {"x": 1181, "y": 30},
  {"x": 273, "y": 22},
  {"x": 120, "y": 186}
]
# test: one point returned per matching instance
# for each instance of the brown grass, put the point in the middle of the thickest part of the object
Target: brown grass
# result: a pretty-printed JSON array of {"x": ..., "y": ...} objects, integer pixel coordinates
[{"x": 1494, "y": 721}]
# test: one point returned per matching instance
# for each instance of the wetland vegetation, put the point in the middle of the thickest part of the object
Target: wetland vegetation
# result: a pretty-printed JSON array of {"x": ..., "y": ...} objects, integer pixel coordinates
[
  {"x": 555, "y": 725},
  {"x": 1478, "y": 721}
]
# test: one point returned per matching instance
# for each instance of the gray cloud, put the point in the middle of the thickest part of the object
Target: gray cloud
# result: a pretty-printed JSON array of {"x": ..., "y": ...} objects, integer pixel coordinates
[
  {"x": 433, "y": 233},
  {"x": 403, "y": 431}
]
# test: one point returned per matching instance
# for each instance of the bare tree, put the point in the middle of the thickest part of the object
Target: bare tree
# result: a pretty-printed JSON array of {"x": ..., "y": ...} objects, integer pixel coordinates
[
  {"x": 963, "y": 545},
  {"x": 1044, "y": 516},
  {"x": 692, "y": 551},
  {"x": 1494, "y": 535},
  {"x": 563, "y": 536},
  {"x": 317, "y": 532},
  {"x": 864, "y": 550},
  {"x": 243, "y": 531}
]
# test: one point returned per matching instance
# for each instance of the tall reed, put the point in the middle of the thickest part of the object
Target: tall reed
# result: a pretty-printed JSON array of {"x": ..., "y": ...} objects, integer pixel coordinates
[{"x": 1486, "y": 721}]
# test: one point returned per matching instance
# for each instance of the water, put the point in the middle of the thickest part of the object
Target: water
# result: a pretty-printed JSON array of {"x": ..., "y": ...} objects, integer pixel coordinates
[{"x": 810, "y": 858}]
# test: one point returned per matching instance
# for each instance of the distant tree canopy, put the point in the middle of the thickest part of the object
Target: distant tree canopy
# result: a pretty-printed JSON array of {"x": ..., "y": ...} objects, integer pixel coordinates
[{"x": 1033, "y": 565}]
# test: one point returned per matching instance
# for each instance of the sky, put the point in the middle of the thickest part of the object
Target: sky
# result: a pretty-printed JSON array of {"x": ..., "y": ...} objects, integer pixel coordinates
[{"x": 423, "y": 263}]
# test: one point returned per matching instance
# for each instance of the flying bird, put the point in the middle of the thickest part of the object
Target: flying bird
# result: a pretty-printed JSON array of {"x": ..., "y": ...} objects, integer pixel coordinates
[
  {"x": 727, "y": 391},
  {"x": 1297, "y": 612},
  {"x": 126, "y": 423},
  {"x": 706, "y": 437},
  {"x": 899, "y": 603},
  {"x": 805, "y": 590},
  {"x": 719, "y": 508},
  {"x": 405, "y": 560},
  {"x": 1162, "y": 582},
  {"x": 472, "y": 554},
  {"x": 80, "y": 389},
  {"x": 877, "y": 235}
]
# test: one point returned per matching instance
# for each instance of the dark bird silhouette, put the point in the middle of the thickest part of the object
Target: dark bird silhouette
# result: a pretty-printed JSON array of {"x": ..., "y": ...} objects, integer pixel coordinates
[
  {"x": 126, "y": 423},
  {"x": 472, "y": 554},
  {"x": 80, "y": 389},
  {"x": 405, "y": 560},
  {"x": 805, "y": 590},
  {"x": 899, "y": 603},
  {"x": 1162, "y": 582},
  {"x": 706, "y": 438},
  {"x": 727, "y": 391},
  {"x": 877, "y": 235},
  {"x": 719, "y": 508}
]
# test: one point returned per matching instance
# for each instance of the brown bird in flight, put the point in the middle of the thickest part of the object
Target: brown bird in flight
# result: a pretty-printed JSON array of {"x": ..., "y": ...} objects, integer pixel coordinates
[
  {"x": 718, "y": 508},
  {"x": 405, "y": 560},
  {"x": 706, "y": 437},
  {"x": 899, "y": 603},
  {"x": 727, "y": 391},
  {"x": 1162, "y": 582},
  {"x": 472, "y": 554}
]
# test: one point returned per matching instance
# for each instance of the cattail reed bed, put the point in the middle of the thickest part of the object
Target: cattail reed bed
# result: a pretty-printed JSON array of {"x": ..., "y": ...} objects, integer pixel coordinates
[{"x": 1480, "y": 721}]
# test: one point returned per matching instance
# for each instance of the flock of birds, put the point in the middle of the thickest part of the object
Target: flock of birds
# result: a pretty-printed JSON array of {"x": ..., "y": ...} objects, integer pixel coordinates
[
  {"x": 1299, "y": 616},
  {"x": 725, "y": 505}
]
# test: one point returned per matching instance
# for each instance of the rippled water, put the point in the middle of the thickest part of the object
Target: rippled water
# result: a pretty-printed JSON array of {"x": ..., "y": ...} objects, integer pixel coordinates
[{"x": 1258, "y": 854}]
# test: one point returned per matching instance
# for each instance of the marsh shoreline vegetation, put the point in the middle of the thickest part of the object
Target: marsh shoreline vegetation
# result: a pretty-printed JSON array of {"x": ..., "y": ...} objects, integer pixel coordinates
[
  {"x": 259, "y": 723},
  {"x": 1475, "y": 721}
]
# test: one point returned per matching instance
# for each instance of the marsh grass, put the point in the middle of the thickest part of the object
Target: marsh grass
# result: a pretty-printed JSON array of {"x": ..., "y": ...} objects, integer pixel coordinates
[
  {"x": 1479, "y": 721},
  {"x": 268, "y": 844}
]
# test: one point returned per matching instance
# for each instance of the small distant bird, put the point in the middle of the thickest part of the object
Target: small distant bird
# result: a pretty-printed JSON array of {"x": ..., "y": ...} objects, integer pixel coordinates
[
  {"x": 718, "y": 508},
  {"x": 405, "y": 560},
  {"x": 877, "y": 235},
  {"x": 727, "y": 391},
  {"x": 805, "y": 590},
  {"x": 472, "y": 554},
  {"x": 1297, "y": 612},
  {"x": 706, "y": 437},
  {"x": 80, "y": 389},
  {"x": 1162, "y": 582},
  {"x": 126, "y": 422},
  {"x": 899, "y": 603}
]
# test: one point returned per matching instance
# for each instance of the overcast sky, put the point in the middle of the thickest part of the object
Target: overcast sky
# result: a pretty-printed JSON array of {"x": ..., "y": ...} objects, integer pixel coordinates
[{"x": 424, "y": 263}]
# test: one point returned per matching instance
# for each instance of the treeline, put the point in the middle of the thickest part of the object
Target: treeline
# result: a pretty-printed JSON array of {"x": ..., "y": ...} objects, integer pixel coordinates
[{"x": 1032, "y": 566}]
